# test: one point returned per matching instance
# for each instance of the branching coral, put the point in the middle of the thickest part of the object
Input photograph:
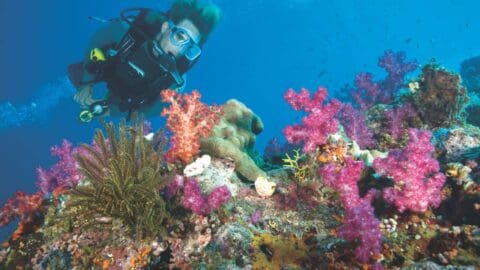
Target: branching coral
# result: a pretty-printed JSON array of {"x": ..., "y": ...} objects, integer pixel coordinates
[
  {"x": 201, "y": 204},
  {"x": 123, "y": 179},
  {"x": 343, "y": 179},
  {"x": 396, "y": 117},
  {"x": 360, "y": 223}
]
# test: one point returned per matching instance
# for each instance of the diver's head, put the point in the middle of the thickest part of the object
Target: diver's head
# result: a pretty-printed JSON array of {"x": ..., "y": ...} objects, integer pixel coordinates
[
  {"x": 204, "y": 15},
  {"x": 190, "y": 22}
]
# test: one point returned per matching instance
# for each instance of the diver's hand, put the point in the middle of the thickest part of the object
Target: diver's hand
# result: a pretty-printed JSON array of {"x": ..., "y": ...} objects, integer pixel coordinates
[{"x": 84, "y": 96}]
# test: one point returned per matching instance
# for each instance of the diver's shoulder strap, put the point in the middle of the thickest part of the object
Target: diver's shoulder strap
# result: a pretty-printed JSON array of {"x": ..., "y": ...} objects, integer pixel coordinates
[{"x": 146, "y": 23}]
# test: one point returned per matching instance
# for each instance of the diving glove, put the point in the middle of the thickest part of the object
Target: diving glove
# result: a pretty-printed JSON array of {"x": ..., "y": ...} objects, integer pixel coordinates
[{"x": 95, "y": 109}]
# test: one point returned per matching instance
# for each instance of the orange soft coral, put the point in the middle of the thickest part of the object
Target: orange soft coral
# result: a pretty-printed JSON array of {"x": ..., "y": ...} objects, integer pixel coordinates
[{"x": 189, "y": 120}]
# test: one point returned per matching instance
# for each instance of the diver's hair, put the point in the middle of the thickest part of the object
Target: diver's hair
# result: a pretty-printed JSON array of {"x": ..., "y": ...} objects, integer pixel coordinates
[{"x": 205, "y": 16}]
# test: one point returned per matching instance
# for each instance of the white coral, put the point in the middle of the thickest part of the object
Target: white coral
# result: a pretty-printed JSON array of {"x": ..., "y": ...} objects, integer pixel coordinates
[{"x": 198, "y": 166}]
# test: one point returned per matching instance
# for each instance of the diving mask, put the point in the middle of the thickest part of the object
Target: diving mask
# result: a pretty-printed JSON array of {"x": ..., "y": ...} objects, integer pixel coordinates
[{"x": 182, "y": 38}]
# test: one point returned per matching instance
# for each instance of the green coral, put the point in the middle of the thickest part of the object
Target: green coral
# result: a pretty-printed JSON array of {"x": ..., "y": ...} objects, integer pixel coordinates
[
  {"x": 233, "y": 137},
  {"x": 123, "y": 177}
]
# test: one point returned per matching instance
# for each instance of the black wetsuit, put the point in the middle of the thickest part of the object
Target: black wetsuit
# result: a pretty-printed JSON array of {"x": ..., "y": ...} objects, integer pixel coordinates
[{"x": 126, "y": 94}]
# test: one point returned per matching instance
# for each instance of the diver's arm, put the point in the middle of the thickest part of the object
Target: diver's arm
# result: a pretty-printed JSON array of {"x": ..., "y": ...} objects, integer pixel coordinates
[
  {"x": 84, "y": 95},
  {"x": 109, "y": 34}
]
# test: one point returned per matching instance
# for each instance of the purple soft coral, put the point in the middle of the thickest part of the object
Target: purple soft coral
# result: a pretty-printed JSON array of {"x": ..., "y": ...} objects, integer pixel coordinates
[
  {"x": 360, "y": 223},
  {"x": 318, "y": 124},
  {"x": 396, "y": 117},
  {"x": 416, "y": 176},
  {"x": 368, "y": 92},
  {"x": 397, "y": 68},
  {"x": 200, "y": 204},
  {"x": 355, "y": 126},
  {"x": 64, "y": 173}
]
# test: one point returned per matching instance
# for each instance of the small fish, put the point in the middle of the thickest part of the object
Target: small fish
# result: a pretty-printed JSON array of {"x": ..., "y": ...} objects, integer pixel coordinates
[
  {"x": 102, "y": 20},
  {"x": 149, "y": 136},
  {"x": 408, "y": 40},
  {"x": 267, "y": 251}
]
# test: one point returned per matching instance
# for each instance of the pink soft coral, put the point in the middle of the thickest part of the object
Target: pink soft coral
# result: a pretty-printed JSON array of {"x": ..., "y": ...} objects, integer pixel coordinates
[
  {"x": 416, "y": 176},
  {"x": 344, "y": 181},
  {"x": 189, "y": 120},
  {"x": 360, "y": 221},
  {"x": 318, "y": 124}
]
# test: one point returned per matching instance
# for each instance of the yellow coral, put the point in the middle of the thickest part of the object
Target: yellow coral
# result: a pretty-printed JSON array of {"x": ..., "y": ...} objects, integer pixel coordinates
[
  {"x": 140, "y": 260},
  {"x": 459, "y": 172},
  {"x": 292, "y": 163},
  {"x": 277, "y": 252}
]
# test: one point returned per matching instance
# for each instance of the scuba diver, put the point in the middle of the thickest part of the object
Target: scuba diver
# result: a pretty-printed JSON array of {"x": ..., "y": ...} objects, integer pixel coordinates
[{"x": 140, "y": 54}]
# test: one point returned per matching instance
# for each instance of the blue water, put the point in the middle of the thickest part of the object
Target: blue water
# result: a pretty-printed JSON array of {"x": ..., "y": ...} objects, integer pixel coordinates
[{"x": 259, "y": 50}]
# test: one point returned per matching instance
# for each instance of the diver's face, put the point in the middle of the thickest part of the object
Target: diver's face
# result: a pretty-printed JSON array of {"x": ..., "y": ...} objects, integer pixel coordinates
[{"x": 172, "y": 38}]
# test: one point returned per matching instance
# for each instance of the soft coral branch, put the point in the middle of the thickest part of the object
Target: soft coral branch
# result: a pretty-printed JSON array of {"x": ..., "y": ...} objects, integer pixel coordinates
[
  {"x": 23, "y": 206},
  {"x": 355, "y": 125},
  {"x": 318, "y": 124},
  {"x": 360, "y": 221},
  {"x": 417, "y": 179},
  {"x": 64, "y": 174},
  {"x": 189, "y": 120},
  {"x": 369, "y": 93}
]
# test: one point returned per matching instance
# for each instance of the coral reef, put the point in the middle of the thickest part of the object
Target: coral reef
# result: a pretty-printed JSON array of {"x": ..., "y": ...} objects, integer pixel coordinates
[
  {"x": 130, "y": 200},
  {"x": 455, "y": 142}
]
